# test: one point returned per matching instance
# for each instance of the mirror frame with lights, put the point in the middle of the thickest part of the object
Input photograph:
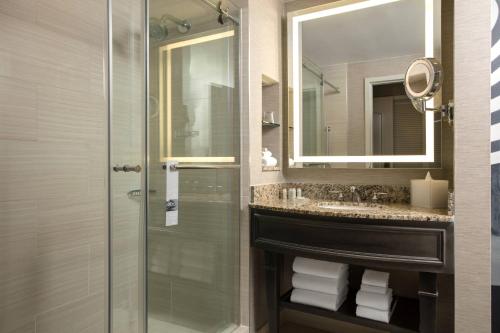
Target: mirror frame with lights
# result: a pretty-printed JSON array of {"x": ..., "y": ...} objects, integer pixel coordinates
[{"x": 294, "y": 20}]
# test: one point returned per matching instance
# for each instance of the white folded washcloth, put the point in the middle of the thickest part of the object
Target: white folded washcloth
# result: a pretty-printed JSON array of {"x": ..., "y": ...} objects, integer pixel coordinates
[
  {"x": 319, "y": 268},
  {"x": 373, "y": 289},
  {"x": 321, "y": 300},
  {"x": 374, "y": 314},
  {"x": 375, "y": 278},
  {"x": 320, "y": 284},
  {"x": 374, "y": 300}
]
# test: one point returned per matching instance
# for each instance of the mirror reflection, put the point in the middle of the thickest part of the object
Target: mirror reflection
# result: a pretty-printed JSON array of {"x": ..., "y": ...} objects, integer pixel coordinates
[{"x": 352, "y": 101}]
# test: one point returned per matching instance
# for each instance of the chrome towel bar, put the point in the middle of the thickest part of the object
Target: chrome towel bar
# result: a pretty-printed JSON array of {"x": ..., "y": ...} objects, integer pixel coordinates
[
  {"x": 127, "y": 168},
  {"x": 174, "y": 167}
]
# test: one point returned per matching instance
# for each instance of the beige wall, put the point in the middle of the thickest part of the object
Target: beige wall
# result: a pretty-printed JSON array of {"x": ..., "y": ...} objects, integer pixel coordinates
[
  {"x": 472, "y": 166},
  {"x": 53, "y": 206},
  {"x": 264, "y": 19},
  {"x": 261, "y": 55}
]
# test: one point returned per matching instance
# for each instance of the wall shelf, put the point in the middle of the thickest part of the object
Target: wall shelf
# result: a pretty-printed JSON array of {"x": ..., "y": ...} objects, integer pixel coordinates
[
  {"x": 271, "y": 130},
  {"x": 405, "y": 318},
  {"x": 266, "y": 124}
]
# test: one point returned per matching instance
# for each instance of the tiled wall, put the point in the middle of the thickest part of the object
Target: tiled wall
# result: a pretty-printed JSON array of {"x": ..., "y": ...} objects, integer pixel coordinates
[
  {"x": 53, "y": 207},
  {"x": 472, "y": 167}
]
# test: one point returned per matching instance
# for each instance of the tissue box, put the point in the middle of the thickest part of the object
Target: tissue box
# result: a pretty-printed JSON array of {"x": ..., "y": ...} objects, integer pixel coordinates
[{"x": 429, "y": 193}]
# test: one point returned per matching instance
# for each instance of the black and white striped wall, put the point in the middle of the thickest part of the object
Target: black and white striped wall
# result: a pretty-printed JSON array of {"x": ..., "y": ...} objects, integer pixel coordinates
[{"x": 495, "y": 164}]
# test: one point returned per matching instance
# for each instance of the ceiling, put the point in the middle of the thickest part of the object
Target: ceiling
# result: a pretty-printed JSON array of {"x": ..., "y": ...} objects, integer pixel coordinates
[{"x": 384, "y": 31}]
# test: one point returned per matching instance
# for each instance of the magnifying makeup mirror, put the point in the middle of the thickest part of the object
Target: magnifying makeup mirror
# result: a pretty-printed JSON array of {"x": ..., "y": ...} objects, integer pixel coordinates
[{"x": 423, "y": 80}]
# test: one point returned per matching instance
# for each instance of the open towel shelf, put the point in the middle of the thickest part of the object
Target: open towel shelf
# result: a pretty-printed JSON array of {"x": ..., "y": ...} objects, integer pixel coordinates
[{"x": 405, "y": 318}]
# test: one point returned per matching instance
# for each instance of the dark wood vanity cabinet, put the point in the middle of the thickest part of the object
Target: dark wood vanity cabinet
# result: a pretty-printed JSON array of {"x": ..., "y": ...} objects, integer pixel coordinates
[{"x": 422, "y": 246}]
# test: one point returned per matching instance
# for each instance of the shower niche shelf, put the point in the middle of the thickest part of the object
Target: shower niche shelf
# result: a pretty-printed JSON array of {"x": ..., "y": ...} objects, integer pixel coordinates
[
  {"x": 267, "y": 124},
  {"x": 271, "y": 128}
]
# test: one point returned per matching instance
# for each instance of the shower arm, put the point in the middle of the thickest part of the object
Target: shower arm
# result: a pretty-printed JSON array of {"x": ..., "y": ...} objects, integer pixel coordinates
[
  {"x": 177, "y": 21},
  {"x": 223, "y": 12}
]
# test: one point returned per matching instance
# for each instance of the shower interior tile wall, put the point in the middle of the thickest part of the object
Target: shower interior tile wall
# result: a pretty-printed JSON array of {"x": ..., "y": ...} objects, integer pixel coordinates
[{"x": 53, "y": 211}]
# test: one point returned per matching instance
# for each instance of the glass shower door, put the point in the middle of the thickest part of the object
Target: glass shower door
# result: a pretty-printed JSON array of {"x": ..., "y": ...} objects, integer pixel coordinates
[
  {"x": 193, "y": 263},
  {"x": 127, "y": 151}
]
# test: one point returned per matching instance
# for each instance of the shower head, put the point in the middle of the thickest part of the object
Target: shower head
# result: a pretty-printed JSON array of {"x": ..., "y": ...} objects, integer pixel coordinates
[
  {"x": 157, "y": 30},
  {"x": 183, "y": 26}
]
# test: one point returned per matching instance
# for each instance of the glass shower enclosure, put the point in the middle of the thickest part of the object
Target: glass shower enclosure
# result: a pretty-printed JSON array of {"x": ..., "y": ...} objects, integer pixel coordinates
[{"x": 177, "y": 103}]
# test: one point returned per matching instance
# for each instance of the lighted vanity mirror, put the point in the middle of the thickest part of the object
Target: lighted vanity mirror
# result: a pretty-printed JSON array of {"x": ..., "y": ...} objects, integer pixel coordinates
[{"x": 346, "y": 69}]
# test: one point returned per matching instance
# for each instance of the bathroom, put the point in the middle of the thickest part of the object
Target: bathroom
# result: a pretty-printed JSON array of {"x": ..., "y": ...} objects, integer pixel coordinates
[{"x": 175, "y": 182}]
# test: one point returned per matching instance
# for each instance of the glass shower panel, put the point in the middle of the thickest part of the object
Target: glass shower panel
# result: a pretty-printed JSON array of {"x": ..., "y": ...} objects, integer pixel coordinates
[
  {"x": 193, "y": 267},
  {"x": 127, "y": 162},
  {"x": 313, "y": 117}
]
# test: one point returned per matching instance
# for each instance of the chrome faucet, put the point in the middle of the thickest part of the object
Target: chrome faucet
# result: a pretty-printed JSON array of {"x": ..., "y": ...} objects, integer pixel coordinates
[
  {"x": 339, "y": 195},
  {"x": 355, "y": 196}
]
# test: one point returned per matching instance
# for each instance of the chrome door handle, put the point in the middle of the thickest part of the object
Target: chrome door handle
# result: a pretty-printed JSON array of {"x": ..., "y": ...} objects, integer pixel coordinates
[{"x": 127, "y": 168}]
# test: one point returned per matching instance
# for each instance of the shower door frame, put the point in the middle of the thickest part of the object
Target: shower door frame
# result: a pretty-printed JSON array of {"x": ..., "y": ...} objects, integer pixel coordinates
[
  {"x": 211, "y": 162},
  {"x": 143, "y": 287}
]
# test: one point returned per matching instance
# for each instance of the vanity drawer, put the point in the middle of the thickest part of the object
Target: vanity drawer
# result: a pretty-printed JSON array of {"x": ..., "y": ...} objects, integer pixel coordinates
[{"x": 386, "y": 245}]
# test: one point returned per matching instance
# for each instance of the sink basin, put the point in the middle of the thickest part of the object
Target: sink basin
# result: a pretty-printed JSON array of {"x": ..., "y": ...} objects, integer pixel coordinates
[{"x": 348, "y": 206}]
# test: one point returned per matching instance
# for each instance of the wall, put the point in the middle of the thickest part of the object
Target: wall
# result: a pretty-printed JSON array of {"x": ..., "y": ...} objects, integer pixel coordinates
[
  {"x": 264, "y": 19},
  {"x": 53, "y": 206},
  {"x": 472, "y": 166},
  {"x": 261, "y": 55}
]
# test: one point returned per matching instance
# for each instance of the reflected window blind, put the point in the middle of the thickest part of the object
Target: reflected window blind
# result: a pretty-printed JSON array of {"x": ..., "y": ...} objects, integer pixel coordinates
[{"x": 408, "y": 129}]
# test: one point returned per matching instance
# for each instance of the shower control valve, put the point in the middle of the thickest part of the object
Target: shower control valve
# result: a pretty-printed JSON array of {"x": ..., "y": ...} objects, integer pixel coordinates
[{"x": 171, "y": 205}]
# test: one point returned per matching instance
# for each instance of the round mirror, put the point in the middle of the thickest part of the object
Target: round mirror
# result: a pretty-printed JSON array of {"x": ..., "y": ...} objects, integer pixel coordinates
[{"x": 423, "y": 79}]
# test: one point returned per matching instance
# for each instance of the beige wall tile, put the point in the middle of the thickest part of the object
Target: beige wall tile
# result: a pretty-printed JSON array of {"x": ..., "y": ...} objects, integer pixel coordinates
[
  {"x": 53, "y": 214},
  {"x": 18, "y": 222},
  {"x": 80, "y": 316},
  {"x": 18, "y": 112}
]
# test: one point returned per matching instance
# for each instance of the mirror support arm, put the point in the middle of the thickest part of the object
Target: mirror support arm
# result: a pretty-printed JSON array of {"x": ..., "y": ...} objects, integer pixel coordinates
[{"x": 446, "y": 110}]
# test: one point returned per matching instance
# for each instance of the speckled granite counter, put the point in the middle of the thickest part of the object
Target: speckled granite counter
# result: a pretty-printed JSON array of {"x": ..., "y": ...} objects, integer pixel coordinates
[{"x": 398, "y": 212}]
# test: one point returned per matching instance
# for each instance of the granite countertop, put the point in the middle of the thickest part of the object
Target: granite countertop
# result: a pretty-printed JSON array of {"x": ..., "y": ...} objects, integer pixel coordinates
[{"x": 368, "y": 211}]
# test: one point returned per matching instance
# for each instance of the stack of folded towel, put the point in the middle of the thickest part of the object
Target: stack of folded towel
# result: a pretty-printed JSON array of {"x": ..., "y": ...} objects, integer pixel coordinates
[
  {"x": 374, "y": 299},
  {"x": 319, "y": 283}
]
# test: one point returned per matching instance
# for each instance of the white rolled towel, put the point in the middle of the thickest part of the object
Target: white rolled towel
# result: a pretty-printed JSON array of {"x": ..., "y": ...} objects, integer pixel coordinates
[
  {"x": 373, "y": 314},
  {"x": 373, "y": 289},
  {"x": 374, "y": 300},
  {"x": 375, "y": 278},
  {"x": 318, "y": 267},
  {"x": 320, "y": 284},
  {"x": 320, "y": 300}
]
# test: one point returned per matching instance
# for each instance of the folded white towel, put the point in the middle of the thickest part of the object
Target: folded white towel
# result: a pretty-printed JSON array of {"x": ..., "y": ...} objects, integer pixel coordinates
[
  {"x": 321, "y": 300},
  {"x": 373, "y": 289},
  {"x": 320, "y": 284},
  {"x": 375, "y": 278},
  {"x": 319, "y": 268},
  {"x": 374, "y": 314},
  {"x": 374, "y": 300}
]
